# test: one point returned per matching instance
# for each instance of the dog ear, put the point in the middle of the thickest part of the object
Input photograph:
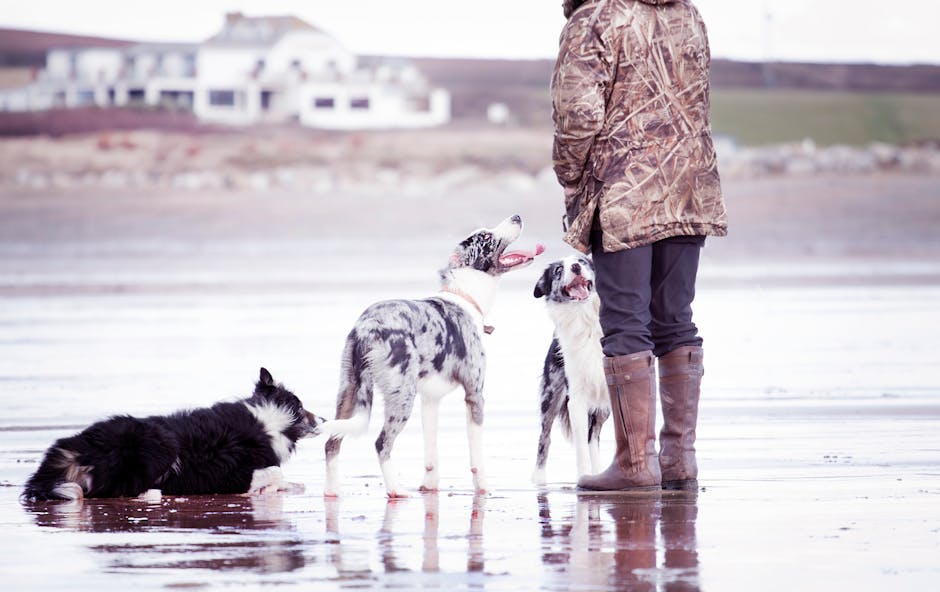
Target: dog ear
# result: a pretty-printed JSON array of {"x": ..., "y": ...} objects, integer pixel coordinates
[
  {"x": 543, "y": 286},
  {"x": 266, "y": 377}
]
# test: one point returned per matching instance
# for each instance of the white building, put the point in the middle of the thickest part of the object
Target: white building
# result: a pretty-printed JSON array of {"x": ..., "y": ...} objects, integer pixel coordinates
[{"x": 256, "y": 69}]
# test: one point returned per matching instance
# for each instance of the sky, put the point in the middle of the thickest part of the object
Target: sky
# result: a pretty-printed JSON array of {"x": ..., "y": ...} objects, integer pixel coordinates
[{"x": 789, "y": 30}]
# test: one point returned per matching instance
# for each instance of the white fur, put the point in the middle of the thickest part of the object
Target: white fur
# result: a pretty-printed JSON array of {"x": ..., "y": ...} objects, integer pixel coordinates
[
  {"x": 476, "y": 284},
  {"x": 275, "y": 420},
  {"x": 151, "y": 496},
  {"x": 475, "y": 439},
  {"x": 332, "y": 479},
  {"x": 482, "y": 288},
  {"x": 578, "y": 328},
  {"x": 390, "y": 476},
  {"x": 430, "y": 410},
  {"x": 266, "y": 480},
  {"x": 70, "y": 491}
]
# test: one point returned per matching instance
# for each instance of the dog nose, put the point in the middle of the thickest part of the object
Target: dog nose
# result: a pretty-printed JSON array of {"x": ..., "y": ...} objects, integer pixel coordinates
[
  {"x": 516, "y": 219},
  {"x": 576, "y": 268}
]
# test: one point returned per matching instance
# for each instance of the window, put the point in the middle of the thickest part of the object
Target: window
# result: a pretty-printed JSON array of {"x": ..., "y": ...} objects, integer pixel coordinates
[
  {"x": 136, "y": 96},
  {"x": 266, "y": 96},
  {"x": 189, "y": 65},
  {"x": 222, "y": 98},
  {"x": 324, "y": 103},
  {"x": 359, "y": 103},
  {"x": 85, "y": 97}
]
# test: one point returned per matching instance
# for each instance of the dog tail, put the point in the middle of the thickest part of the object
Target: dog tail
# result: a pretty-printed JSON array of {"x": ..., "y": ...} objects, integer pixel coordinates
[
  {"x": 354, "y": 400},
  {"x": 565, "y": 421}
]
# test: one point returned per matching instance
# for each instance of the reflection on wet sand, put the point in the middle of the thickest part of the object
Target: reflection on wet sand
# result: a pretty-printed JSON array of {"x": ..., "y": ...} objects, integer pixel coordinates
[
  {"x": 214, "y": 532},
  {"x": 609, "y": 541},
  {"x": 393, "y": 539}
]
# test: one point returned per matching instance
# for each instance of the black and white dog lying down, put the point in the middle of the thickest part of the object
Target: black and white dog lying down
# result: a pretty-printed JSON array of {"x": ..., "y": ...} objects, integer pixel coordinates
[
  {"x": 429, "y": 347},
  {"x": 231, "y": 447},
  {"x": 573, "y": 386}
]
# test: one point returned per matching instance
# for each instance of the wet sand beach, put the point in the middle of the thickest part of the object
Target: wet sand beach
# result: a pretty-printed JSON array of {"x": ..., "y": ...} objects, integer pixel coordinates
[{"x": 818, "y": 445}]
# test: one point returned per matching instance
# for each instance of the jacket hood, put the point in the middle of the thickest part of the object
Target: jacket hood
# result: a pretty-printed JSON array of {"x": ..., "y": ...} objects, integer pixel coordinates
[{"x": 569, "y": 6}]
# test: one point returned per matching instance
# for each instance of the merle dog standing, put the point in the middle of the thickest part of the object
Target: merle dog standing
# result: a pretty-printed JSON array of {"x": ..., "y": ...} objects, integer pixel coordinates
[
  {"x": 231, "y": 447},
  {"x": 428, "y": 347},
  {"x": 573, "y": 388}
]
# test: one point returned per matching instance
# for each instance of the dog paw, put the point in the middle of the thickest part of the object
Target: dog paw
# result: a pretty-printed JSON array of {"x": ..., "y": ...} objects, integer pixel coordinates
[
  {"x": 479, "y": 480},
  {"x": 151, "y": 496},
  {"x": 396, "y": 494},
  {"x": 266, "y": 480},
  {"x": 289, "y": 487},
  {"x": 69, "y": 491},
  {"x": 431, "y": 482}
]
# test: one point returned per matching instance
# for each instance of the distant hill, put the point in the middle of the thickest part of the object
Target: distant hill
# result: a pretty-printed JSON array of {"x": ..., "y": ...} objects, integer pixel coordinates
[
  {"x": 755, "y": 103},
  {"x": 19, "y": 48},
  {"x": 727, "y": 74},
  {"x": 523, "y": 83}
]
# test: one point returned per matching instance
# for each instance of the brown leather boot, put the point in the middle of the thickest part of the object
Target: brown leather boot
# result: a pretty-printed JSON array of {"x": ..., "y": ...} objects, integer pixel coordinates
[
  {"x": 680, "y": 380},
  {"x": 633, "y": 405}
]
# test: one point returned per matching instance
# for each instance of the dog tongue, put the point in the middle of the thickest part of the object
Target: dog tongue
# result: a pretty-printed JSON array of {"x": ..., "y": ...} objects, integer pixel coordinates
[
  {"x": 578, "y": 291},
  {"x": 512, "y": 258}
]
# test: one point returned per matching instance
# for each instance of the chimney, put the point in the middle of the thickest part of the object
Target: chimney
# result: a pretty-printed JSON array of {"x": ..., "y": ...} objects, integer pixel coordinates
[{"x": 233, "y": 17}]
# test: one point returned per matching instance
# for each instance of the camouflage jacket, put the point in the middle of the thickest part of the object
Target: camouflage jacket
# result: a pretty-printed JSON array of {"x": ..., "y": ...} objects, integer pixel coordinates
[{"x": 630, "y": 97}]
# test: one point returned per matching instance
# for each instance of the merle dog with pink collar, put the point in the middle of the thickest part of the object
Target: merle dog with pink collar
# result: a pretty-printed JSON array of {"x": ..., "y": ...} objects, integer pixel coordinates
[{"x": 429, "y": 347}]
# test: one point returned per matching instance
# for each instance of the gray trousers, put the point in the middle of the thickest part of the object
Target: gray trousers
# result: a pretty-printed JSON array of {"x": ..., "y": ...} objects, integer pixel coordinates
[{"x": 646, "y": 295}]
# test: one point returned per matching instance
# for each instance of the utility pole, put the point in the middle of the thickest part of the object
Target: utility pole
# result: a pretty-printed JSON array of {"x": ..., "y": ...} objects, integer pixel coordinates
[{"x": 767, "y": 29}]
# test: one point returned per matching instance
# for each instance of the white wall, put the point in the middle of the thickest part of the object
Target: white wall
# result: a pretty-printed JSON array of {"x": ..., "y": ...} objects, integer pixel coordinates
[
  {"x": 227, "y": 68},
  {"x": 388, "y": 107},
  {"x": 58, "y": 65}
]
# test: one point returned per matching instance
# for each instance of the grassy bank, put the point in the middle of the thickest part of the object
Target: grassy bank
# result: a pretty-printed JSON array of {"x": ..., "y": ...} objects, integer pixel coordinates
[{"x": 756, "y": 117}]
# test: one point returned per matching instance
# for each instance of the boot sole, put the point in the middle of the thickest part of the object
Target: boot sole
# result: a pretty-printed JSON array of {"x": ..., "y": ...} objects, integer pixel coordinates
[
  {"x": 682, "y": 485},
  {"x": 627, "y": 491}
]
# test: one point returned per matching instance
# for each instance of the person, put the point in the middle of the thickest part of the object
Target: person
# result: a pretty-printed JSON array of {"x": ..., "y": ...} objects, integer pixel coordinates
[{"x": 634, "y": 154}]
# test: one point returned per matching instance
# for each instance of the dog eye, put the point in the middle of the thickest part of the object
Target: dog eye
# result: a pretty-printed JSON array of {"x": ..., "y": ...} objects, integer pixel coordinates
[{"x": 557, "y": 272}]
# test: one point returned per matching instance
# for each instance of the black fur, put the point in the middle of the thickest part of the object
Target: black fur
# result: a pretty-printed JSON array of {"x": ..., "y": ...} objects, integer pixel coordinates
[{"x": 201, "y": 451}]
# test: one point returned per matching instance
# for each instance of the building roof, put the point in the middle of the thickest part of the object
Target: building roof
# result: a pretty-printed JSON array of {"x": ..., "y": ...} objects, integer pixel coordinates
[{"x": 257, "y": 30}]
